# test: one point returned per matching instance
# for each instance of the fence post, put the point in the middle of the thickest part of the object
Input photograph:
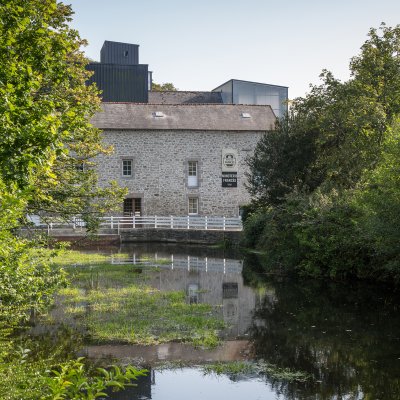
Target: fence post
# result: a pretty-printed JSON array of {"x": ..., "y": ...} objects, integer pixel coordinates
[
  {"x": 74, "y": 222},
  {"x": 188, "y": 222},
  {"x": 206, "y": 222},
  {"x": 118, "y": 225},
  {"x": 112, "y": 222},
  {"x": 155, "y": 222},
  {"x": 224, "y": 223},
  {"x": 133, "y": 221},
  {"x": 172, "y": 222}
]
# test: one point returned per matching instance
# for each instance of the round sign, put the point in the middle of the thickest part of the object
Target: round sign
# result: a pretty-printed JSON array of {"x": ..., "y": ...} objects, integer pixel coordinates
[{"x": 229, "y": 160}]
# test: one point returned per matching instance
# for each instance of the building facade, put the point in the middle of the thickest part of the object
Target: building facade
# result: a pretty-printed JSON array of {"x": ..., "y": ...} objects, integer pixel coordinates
[
  {"x": 177, "y": 159},
  {"x": 178, "y": 152}
]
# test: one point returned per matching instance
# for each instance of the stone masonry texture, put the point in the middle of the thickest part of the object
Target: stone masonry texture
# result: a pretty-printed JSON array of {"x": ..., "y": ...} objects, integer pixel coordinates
[{"x": 160, "y": 159}]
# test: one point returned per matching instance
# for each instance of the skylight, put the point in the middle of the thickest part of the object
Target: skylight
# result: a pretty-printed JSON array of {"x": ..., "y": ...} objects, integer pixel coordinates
[
  {"x": 158, "y": 114},
  {"x": 246, "y": 115}
]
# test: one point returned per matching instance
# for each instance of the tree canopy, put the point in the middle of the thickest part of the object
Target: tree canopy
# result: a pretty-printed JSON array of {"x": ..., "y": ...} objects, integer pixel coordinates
[
  {"x": 163, "y": 87},
  {"x": 46, "y": 135},
  {"x": 317, "y": 180}
]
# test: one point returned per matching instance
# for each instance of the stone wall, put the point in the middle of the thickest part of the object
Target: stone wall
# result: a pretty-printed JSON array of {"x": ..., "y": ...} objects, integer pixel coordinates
[
  {"x": 180, "y": 236},
  {"x": 160, "y": 160}
]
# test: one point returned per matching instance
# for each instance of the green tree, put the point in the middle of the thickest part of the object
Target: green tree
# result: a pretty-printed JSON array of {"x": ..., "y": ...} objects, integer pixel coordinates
[
  {"x": 284, "y": 160},
  {"x": 45, "y": 111},
  {"x": 163, "y": 87},
  {"x": 324, "y": 182},
  {"x": 336, "y": 132},
  {"x": 46, "y": 149},
  {"x": 45, "y": 108},
  {"x": 378, "y": 198}
]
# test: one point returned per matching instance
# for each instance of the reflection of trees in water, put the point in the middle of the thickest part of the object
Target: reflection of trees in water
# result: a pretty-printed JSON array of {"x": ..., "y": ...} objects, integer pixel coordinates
[{"x": 346, "y": 336}]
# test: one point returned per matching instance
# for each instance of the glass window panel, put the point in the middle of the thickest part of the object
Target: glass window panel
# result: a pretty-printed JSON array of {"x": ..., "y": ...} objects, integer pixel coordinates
[
  {"x": 193, "y": 205},
  {"x": 127, "y": 167},
  {"x": 226, "y": 92},
  {"x": 261, "y": 94},
  {"x": 192, "y": 168}
]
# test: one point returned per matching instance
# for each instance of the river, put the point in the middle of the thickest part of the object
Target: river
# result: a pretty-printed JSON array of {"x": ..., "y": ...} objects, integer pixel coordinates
[{"x": 345, "y": 338}]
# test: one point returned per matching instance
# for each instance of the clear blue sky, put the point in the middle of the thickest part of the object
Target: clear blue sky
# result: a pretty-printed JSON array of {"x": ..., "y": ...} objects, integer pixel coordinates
[{"x": 198, "y": 45}]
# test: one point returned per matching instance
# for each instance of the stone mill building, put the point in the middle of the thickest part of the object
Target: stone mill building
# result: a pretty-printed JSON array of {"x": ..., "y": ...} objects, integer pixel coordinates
[{"x": 178, "y": 153}]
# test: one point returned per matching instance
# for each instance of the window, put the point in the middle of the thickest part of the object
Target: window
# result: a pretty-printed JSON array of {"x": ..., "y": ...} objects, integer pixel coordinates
[
  {"x": 126, "y": 53},
  {"x": 193, "y": 174},
  {"x": 127, "y": 168},
  {"x": 193, "y": 205}
]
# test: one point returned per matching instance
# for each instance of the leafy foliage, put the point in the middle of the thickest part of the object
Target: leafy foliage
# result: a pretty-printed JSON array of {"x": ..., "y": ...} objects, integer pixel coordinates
[
  {"x": 45, "y": 109},
  {"x": 161, "y": 87},
  {"x": 284, "y": 160},
  {"x": 72, "y": 381},
  {"x": 325, "y": 182}
]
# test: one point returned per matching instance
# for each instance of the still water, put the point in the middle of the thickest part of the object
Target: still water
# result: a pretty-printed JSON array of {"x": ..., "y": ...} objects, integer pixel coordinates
[
  {"x": 347, "y": 337},
  {"x": 191, "y": 383}
]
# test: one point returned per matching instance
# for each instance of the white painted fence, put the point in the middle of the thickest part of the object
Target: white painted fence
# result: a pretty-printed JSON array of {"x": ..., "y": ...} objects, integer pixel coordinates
[
  {"x": 189, "y": 263},
  {"x": 152, "y": 222}
]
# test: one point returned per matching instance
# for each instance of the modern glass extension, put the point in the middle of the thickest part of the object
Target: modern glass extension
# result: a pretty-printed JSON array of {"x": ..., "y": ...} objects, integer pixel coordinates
[{"x": 244, "y": 92}]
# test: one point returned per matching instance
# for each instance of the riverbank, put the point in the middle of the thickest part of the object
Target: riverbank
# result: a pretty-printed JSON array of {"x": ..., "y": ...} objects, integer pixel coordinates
[{"x": 276, "y": 332}]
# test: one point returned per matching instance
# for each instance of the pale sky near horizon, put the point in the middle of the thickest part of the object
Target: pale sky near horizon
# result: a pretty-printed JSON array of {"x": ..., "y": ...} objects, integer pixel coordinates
[{"x": 198, "y": 45}]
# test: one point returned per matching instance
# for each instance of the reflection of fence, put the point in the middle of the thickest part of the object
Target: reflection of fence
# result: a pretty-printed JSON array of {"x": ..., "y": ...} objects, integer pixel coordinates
[
  {"x": 119, "y": 224},
  {"x": 189, "y": 263}
]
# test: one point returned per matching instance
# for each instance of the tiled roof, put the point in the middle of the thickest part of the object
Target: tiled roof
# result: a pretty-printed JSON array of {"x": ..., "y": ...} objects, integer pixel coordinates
[
  {"x": 213, "y": 117},
  {"x": 181, "y": 97}
]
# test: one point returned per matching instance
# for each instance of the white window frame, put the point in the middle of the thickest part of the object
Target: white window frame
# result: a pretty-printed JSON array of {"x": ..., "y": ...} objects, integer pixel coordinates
[
  {"x": 193, "y": 174},
  {"x": 193, "y": 205}
]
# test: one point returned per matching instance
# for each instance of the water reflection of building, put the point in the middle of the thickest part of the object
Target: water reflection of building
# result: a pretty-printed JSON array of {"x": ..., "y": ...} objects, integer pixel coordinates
[{"x": 211, "y": 280}]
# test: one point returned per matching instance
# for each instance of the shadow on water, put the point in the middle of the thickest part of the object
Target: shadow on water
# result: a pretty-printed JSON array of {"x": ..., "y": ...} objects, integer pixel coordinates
[{"x": 346, "y": 336}]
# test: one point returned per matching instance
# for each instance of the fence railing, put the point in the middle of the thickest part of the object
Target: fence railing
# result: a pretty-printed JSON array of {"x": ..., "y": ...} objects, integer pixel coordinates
[
  {"x": 150, "y": 222},
  {"x": 188, "y": 263}
]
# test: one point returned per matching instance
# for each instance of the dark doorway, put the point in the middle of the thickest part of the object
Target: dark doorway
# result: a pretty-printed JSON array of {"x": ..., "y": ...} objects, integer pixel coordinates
[{"x": 133, "y": 206}]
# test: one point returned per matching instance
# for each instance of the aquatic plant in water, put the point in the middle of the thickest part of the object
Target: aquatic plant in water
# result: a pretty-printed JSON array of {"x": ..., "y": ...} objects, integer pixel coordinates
[{"x": 256, "y": 368}]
